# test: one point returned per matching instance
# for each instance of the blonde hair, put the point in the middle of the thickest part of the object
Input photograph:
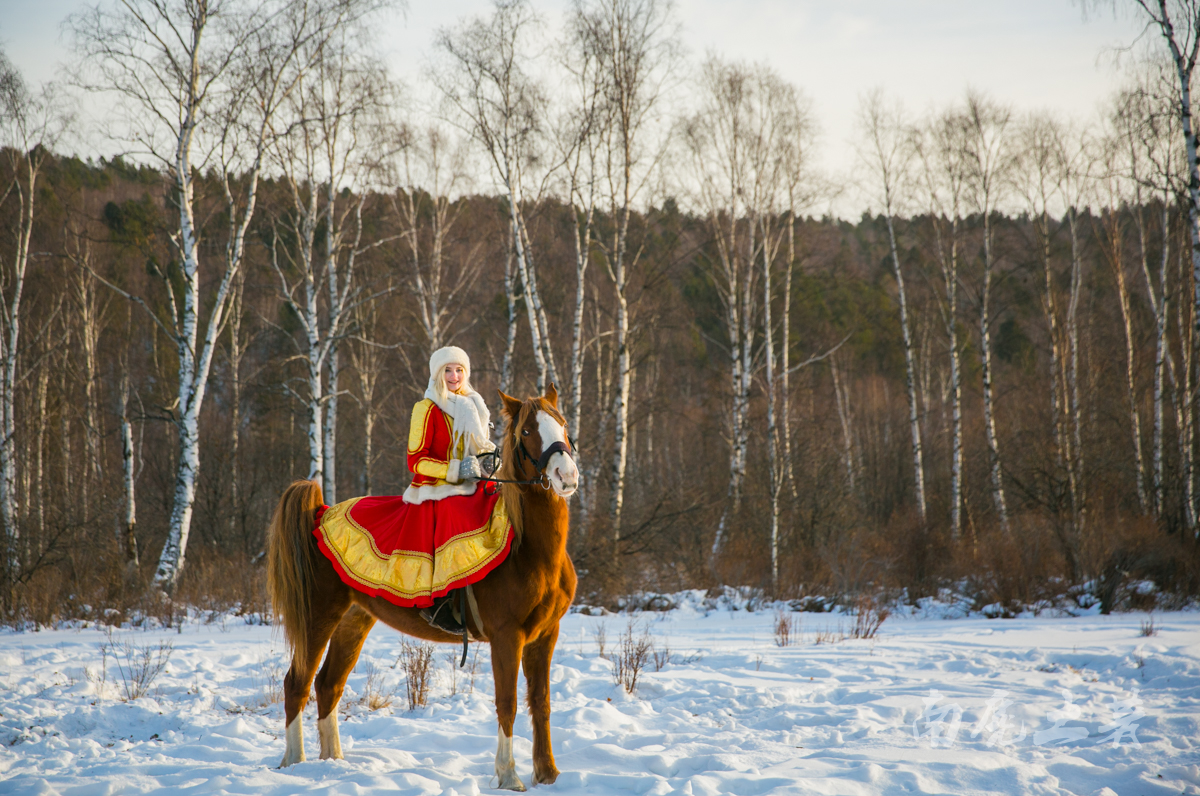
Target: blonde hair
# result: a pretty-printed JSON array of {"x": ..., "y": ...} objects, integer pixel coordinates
[{"x": 439, "y": 381}]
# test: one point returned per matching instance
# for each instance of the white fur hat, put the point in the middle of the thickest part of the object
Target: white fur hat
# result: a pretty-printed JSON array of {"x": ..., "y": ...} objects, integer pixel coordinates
[{"x": 445, "y": 356}]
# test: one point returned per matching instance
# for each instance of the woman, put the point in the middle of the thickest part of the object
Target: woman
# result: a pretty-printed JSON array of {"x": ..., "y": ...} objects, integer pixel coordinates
[{"x": 449, "y": 430}]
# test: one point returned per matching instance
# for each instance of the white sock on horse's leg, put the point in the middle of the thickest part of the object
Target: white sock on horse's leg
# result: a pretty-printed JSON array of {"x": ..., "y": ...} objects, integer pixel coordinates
[
  {"x": 506, "y": 767},
  {"x": 331, "y": 741},
  {"x": 295, "y": 743}
]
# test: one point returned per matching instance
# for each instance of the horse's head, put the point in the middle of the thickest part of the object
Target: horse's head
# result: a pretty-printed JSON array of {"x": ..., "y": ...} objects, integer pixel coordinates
[{"x": 536, "y": 441}]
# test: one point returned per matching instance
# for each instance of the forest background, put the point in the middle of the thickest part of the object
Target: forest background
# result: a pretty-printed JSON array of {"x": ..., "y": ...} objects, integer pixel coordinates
[{"x": 987, "y": 383}]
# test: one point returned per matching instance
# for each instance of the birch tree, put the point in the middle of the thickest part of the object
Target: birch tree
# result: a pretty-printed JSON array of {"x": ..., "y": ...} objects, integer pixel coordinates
[
  {"x": 887, "y": 154},
  {"x": 579, "y": 135},
  {"x": 1148, "y": 131},
  {"x": 431, "y": 171},
  {"x": 941, "y": 152},
  {"x": 1178, "y": 22},
  {"x": 324, "y": 148},
  {"x": 720, "y": 139},
  {"x": 636, "y": 47},
  {"x": 31, "y": 124},
  {"x": 987, "y": 159},
  {"x": 1114, "y": 182},
  {"x": 196, "y": 87},
  {"x": 485, "y": 80}
]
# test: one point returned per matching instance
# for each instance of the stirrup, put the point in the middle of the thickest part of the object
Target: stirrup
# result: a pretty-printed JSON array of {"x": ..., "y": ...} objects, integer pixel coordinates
[{"x": 441, "y": 615}]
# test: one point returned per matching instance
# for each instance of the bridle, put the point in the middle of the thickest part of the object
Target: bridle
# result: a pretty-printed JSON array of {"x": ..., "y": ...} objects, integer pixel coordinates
[{"x": 539, "y": 463}]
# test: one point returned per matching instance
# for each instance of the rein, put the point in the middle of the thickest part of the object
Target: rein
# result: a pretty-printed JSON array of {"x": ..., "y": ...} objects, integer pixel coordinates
[{"x": 540, "y": 463}]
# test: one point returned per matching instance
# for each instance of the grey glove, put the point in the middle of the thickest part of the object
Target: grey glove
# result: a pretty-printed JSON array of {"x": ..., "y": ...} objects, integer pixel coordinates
[{"x": 469, "y": 469}]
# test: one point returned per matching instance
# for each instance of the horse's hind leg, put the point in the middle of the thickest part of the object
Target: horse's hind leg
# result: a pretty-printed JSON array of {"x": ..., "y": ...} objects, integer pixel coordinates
[
  {"x": 344, "y": 648},
  {"x": 537, "y": 657},
  {"x": 298, "y": 682}
]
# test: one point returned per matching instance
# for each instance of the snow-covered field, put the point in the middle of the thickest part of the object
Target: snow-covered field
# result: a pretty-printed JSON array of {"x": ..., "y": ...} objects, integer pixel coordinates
[{"x": 732, "y": 713}]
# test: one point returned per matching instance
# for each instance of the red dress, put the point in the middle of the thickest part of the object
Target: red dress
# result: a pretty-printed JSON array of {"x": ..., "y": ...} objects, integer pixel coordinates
[{"x": 439, "y": 536}]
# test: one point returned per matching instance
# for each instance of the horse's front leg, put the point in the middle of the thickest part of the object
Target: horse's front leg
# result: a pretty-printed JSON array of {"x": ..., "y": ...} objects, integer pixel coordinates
[
  {"x": 537, "y": 657},
  {"x": 506, "y": 663}
]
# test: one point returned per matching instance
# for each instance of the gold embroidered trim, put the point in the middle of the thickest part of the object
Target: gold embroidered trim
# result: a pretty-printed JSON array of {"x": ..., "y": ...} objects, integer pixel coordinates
[
  {"x": 405, "y": 573},
  {"x": 416, "y": 428}
]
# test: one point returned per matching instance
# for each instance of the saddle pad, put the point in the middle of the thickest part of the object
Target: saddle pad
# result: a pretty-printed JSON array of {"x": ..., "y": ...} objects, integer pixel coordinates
[{"x": 408, "y": 554}]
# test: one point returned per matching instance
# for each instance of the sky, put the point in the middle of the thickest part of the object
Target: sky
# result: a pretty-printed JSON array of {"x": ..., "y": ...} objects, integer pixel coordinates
[{"x": 1032, "y": 54}]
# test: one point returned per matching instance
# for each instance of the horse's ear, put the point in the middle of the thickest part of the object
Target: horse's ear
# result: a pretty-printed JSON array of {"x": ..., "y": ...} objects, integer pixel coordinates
[
  {"x": 512, "y": 407},
  {"x": 552, "y": 395}
]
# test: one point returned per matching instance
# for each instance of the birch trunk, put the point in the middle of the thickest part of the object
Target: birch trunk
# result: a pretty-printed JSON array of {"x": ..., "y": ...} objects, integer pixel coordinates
[
  {"x": 539, "y": 310},
  {"x": 510, "y": 340},
  {"x": 10, "y": 335},
  {"x": 236, "y": 350},
  {"x": 621, "y": 398},
  {"x": 1159, "y": 304},
  {"x": 785, "y": 337},
  {"x": 527, "y": 289},
  {"x": 129, "y": 526},
  {"x": 841, "y": 396},
  {"x": 910, "y": 376},
  {"x": 985, "y": 345},
  {"x": 1080, "y": 495},
  {"x": 1116, "y": 245},
  {"x": 39, "y": 484},
  {"x": 774, "y": 469}
]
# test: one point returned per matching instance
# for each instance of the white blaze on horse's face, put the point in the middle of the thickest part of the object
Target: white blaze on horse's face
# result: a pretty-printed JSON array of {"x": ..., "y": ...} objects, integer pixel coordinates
[{"x": 561, "y": 469}]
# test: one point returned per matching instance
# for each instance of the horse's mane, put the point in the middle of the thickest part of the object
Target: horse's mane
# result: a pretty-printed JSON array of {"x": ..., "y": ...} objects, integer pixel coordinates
[
  {"x": 508, "y": 465},
  {"x": 508, "y": 470}
]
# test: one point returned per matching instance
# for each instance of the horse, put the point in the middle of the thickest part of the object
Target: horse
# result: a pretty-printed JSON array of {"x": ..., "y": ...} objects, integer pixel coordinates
[{"x": 520, "y": 602}]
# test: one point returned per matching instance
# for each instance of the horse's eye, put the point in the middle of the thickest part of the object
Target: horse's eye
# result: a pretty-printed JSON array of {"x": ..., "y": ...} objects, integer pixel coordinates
[{"x": 524, "y": 432}]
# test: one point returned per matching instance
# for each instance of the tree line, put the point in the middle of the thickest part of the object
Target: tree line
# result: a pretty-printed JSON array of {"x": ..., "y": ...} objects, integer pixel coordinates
[{"x": 987, "y": 382}]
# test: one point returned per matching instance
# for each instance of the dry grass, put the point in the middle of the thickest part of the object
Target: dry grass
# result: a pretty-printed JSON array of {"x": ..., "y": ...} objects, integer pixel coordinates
[
  {"x": 829, "y": 635},
  {"x": 416, "y": 661},
  {"x": 787, "y": 628},
  {"x": 600, "y": 634},
  {"x": 376, "y": 694}
]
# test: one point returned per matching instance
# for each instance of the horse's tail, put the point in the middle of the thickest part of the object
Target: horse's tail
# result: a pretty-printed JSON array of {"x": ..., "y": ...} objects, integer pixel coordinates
[{"x": 290, "y": 558}]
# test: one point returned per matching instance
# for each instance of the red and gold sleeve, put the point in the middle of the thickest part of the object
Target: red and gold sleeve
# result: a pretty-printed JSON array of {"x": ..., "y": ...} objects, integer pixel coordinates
[{"x": 421, "y": 458}]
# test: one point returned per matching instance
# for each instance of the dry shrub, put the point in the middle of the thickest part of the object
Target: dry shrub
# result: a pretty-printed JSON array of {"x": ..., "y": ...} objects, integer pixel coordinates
[
  {"x": 220, "y": 584},
  {"x": 1135, "y": 550},
  {"x": 787, "y": 628},
  {"x": 416, "y": 661},
  {"x": 632, "y": 655},
  {"x": 376, "y": 694},
  {"x": 1148, "y": 628},
  {"x": 868, "y": 618},
  {"x": 1012, "y": 569},
  {"x": 135, "y": 667},
  {"x": 662, "y": 655}
]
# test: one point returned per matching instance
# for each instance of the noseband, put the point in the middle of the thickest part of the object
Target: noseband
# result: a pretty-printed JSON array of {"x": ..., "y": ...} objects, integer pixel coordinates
[{"x": 541, "y": 463}]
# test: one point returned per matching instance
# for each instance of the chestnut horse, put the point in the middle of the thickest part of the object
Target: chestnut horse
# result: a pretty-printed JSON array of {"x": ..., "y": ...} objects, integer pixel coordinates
[{"x": 520, "y": 602}]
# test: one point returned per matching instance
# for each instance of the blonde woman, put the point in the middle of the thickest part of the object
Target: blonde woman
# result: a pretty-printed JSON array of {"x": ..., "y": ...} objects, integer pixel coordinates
[{"x": 449, "y": 429}]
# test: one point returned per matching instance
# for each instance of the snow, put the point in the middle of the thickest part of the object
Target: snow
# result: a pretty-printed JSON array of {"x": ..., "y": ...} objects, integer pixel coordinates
[{"x": 732, "y": 713}]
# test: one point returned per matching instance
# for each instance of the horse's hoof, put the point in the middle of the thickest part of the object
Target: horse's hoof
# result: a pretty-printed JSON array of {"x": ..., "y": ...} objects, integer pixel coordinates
[
  {"x": 546, "y": 777},
  {"x": 510, "y": 781}
]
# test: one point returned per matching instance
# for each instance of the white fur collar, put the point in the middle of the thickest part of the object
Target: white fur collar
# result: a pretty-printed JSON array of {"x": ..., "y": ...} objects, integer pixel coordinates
[{"x": 471, "y": 418}]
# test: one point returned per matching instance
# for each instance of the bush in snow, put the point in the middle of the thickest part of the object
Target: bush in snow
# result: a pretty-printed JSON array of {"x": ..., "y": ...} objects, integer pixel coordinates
[
  {"x": 633, "y": 653},
  {"x": 416, "y": 661},
  {"x": 135, "y": 667}
]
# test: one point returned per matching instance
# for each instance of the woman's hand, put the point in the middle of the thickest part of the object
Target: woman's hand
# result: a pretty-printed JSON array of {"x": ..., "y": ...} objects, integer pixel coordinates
[{"x": 469, "y": 469}]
